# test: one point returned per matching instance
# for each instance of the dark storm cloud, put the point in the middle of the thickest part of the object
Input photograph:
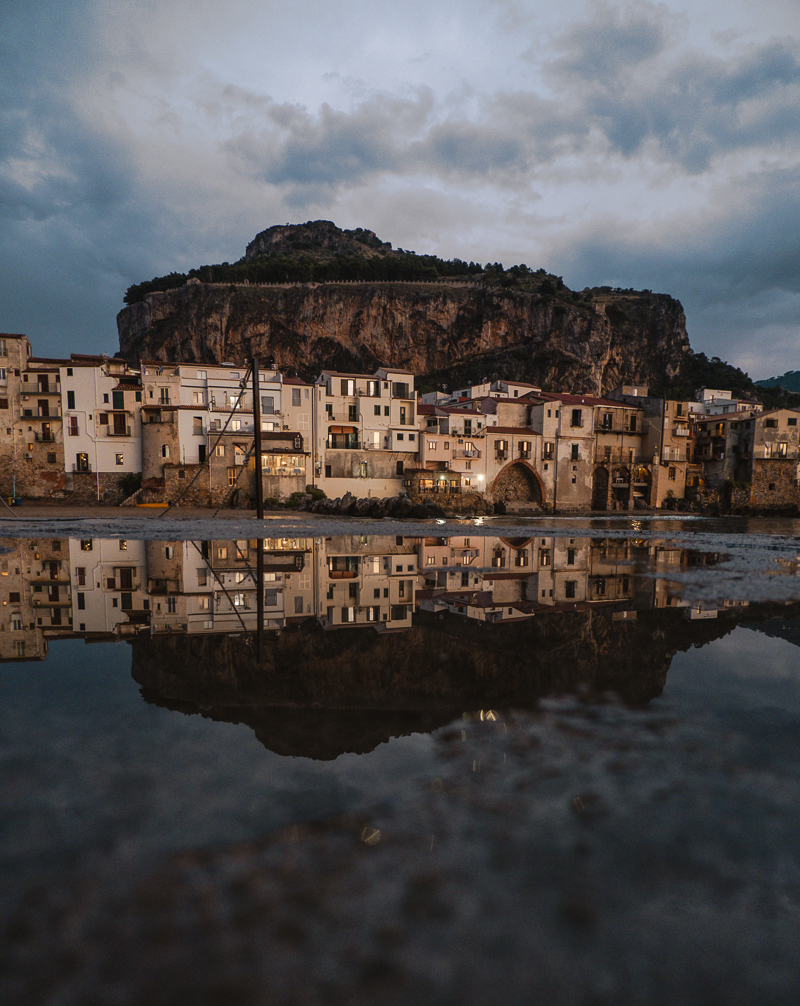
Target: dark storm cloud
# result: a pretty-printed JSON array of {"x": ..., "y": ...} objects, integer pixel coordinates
[{"x": 624, "y": 83}]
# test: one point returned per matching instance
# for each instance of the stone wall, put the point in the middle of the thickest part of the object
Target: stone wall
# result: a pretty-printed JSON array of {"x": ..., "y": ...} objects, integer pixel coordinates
[
  {"x": 93, "y": 487},
  {"x": 178, "y": 484},
  {"x": 774, "y": 484}
]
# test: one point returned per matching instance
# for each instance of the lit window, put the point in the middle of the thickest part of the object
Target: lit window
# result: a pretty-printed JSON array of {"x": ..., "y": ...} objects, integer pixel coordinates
[
  {"x": 123, "y": 545},
  {"x": 120, "y": 459}
]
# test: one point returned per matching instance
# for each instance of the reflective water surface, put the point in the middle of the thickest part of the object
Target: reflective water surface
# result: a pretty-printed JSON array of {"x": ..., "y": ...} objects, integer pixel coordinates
[{"x": 401, "y": 766}]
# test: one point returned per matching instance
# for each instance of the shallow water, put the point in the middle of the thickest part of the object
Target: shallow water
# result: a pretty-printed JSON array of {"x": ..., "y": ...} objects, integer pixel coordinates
[{"x": 518, "y": 693}]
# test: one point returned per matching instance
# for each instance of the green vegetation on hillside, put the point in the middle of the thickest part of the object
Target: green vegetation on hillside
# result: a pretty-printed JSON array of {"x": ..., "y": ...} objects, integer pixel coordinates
[
  {"x": 790, "y": 381},
  {"x": 700, "y": 372}
]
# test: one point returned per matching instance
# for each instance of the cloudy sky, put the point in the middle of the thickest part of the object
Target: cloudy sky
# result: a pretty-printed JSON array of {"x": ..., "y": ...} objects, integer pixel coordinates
[{"x": 652, "y": 145}]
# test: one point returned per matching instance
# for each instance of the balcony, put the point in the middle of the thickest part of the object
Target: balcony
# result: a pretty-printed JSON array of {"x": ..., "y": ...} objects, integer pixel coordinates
[
  {"x": 111, "y": 432},
  {"x": 618, "y": 456},
  {"x": 343, "y": 442},
  {"x": 680, "y": 431},
  {"x": 44, "y": 438},
  {"x": 460, "y": 452},
  {"x": 54, "y": 413},
  {"x": 82, "y": 468}
]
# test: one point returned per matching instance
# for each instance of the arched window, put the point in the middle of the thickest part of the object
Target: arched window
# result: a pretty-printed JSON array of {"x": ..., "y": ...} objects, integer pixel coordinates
[{"x": 165, "y": 450}]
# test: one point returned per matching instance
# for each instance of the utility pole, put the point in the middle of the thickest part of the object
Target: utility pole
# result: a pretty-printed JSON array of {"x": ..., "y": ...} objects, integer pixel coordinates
[{"x": 257, "y": 435}]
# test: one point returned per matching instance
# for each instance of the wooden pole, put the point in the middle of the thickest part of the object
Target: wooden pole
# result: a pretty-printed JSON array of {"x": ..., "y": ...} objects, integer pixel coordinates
[{"x": 257, "y": 435}]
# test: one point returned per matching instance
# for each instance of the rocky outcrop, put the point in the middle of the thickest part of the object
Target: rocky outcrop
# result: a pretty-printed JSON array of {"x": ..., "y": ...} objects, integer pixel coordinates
[{"x": 452, "y": 330}]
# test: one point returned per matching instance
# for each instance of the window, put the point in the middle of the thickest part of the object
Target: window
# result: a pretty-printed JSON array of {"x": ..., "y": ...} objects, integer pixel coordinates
[
  {"x": 169, "y": 552},
  {"x": 202, "y": 577},
  {"x": 81, "y": 602},
  {"x": 73, "y": 426},
  {"x": 219, "y": 451},
  {"x": 412, "y": 436},
  {"x": 401, "y": 436},
  {"x": 268, "y": 404},
  {"x": 548, "y": 451},
  {"x": 126, "y": 601},
  {"x": 577, "y": 417},
  {"x": 574, "y": 456},
  {"x": 569, "y": 588},
  {"x": 3, "y": 348},
  {"x": 123, "y": 545},
  {"x": 203, "y": 603},
  {"x": 172, "y": 604},
  {"x": 544, "y": 556},
  {"x": 165, "y": 450},
  {"x": 222, "y": 552},
  {"x": 232, "y": 476},
  {"x": 791, "y": 422},
  {"x": 86, "y": 545},
  {"x": 771, "y": 423},
  {"x": 671, "y": 473},
  {"x": 240, "y": 600},
  {"x": 70, "y": 399},
  {"x": 600, "y": 585},
  {"x": 202, "y": 375},
  {"x": 103, "y": 419},
  {"x": 239, "y": 454},
  {"x": 386, "y": 410},
  {"x": 399, "y": 468},
  {"x": 376, "y": 410},
  {"x": 120, "y": 459},
  {"x": 51, "y": 459},
  {"x": 782, "y": 448},
  {"x": 570, "y": 556}
]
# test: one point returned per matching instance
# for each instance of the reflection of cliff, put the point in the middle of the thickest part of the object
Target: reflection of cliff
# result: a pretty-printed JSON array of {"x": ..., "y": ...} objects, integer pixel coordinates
[{"x": 319, "y": 693}]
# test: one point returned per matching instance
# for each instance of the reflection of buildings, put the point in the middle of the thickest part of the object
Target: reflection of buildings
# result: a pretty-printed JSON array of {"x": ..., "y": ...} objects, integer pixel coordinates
[{"x": 96, "y": 588}]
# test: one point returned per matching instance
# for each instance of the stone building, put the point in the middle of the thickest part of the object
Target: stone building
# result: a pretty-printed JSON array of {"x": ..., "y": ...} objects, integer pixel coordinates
[
  {"x": 101, "y": 401},
  {"x": 666, "y": 441},
  {"x": 365, "y": 433},
  {"x": 31, "y": 436}
]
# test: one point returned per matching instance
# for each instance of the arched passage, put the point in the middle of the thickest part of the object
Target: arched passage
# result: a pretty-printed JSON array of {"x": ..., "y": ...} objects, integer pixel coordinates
[
  {"x": 518, "y": 483},
  {"x": 600, "y": 489}
]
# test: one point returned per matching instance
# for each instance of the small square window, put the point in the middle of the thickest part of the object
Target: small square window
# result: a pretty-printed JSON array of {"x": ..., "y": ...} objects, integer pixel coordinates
[
  {"x": 120, "y": 459},
  {"x": 123, "y": 545}
]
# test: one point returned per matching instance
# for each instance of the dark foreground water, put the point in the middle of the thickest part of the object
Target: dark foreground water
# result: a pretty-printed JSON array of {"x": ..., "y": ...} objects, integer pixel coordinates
[{"x": 540, "y": 765}]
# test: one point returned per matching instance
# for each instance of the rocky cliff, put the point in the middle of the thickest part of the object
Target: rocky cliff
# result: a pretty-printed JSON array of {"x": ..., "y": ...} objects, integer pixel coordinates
[{"x": 522, "y": 325}]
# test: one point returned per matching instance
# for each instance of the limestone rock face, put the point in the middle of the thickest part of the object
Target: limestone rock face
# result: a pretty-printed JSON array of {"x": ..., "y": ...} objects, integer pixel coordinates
[{"x": 456, "y": 331}]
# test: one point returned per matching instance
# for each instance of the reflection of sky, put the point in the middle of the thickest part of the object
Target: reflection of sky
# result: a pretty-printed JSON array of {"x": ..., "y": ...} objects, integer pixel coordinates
[
  {"x": 90, "y": 771},
  {"x": 649, "y": 145}
]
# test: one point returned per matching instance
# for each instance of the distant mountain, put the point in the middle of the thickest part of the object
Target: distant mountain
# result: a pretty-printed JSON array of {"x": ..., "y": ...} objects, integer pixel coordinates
[{"x": 790, "y": 381}]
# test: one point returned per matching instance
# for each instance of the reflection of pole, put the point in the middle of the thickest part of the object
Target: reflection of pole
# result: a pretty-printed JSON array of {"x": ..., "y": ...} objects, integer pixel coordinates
[
  {"x": 260, "y": 596},
  {"x": 257, "y": 435}
]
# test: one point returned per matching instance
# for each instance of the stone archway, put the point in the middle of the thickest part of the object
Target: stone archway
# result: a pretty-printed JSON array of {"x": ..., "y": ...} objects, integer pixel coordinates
[
  {"x": 600, "y": 489},
  {"x": 518, "y": 483}
]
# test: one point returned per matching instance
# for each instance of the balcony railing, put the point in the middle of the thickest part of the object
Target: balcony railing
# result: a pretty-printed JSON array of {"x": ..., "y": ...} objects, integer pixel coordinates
[
  {"x": 680, "y": 431},
  {"x": 460, "y": 452},
  {"x": 82, "y": 468},
  {"x": 118, "y": 433},
  {"x": 44, "y": 438},
  {"x": 54, "y": 413},
  {"x": 619, "y": 456},
  {"x": 602, "y": 428},
  {"x": 343, "y": 443}
]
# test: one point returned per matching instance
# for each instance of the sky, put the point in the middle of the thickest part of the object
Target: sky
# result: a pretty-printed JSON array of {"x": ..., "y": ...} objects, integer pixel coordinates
[{"x": 645, "y": 145}]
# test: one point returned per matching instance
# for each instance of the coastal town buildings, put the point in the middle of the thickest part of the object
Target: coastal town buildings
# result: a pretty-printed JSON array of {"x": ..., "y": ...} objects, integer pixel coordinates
[{"x": 96, "y": 429}]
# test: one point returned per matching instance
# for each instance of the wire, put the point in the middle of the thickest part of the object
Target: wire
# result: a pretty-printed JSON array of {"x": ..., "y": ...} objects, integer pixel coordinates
[{"x": 207, "y": 460}]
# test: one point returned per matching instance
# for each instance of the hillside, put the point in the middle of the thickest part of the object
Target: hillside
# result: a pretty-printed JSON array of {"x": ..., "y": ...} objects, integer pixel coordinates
[
  {"x": 790, "y": 381},
  {"x": 311, "y": 296}
]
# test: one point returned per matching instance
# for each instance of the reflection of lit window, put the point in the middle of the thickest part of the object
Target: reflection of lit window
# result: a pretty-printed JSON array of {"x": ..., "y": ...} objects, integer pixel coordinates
[{"x": 240, "y": 600}]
